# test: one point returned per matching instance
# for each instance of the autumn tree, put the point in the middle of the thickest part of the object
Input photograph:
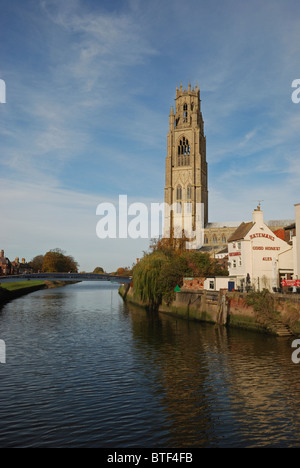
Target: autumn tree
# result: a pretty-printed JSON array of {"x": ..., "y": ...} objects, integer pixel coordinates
[
  {"x": 98, "y": 271},
  {"x": 55, "y": 261},
  {"x": 124, "y": 271}
]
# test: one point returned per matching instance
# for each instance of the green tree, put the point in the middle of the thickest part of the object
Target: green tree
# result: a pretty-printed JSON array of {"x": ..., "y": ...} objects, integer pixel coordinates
[
  {"x": 146, "y": 275},
  {"x": 172, "y": 272},
  {"x": 37, "y": 263},
  {"x": 159, "y": 272}
]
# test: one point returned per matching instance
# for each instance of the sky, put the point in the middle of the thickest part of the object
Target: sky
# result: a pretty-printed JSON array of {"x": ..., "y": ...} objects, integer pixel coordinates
[{"x": 89, "y": 88}]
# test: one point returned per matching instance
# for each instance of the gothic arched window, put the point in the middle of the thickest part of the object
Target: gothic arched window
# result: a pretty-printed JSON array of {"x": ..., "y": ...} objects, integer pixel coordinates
[
  {"x": 189, "y": 198},
  {"x": 179, "y": 193},
  {"x": 184, "y": 151},
  {"x": 178, "y": 198},
  {"x": 185, "y": 113}
]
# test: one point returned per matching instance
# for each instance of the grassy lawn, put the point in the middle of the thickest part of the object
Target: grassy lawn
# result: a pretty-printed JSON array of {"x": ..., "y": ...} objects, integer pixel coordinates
[{"x": 20, "y": 285}]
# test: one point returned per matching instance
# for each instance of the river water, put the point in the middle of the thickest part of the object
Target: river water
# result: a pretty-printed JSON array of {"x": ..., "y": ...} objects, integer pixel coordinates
[{"x": 83, "y": 369}]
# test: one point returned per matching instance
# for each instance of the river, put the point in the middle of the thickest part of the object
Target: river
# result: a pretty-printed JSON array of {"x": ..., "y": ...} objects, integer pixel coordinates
[{"x": 85, "y": 370}]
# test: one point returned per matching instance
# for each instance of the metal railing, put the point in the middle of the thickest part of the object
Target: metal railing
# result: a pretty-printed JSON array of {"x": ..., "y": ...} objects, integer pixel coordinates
[{"x": 65, "y": 277}]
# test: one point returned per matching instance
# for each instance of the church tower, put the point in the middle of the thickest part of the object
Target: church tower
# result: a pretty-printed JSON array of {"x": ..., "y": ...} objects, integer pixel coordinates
[{"x": 186, "y": 166}]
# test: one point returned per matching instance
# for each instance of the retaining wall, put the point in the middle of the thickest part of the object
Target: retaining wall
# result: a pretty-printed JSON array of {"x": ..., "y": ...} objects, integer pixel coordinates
[{"x": 226, "y": 308}]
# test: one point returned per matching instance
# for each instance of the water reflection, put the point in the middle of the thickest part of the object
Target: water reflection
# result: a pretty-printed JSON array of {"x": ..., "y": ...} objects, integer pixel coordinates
[
  {"x": 221, "y": 387},
  {"x": 86, "y": 370}
]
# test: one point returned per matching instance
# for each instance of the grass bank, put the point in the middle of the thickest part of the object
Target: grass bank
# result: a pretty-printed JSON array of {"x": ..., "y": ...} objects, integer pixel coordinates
[
  {"x": 21, "y": 285},
  {"x": 10, "y": 291}
]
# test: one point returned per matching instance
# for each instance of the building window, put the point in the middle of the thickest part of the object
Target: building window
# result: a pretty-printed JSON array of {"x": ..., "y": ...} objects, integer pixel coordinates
[
  {"x": 179, "y": 193},
  {"x": 189, "y": 207},
  {"x": 224, "y": 240},
  {"x": 240, "y": 261},
  {"x": 185, "y": 113},
  {"x": 234, "y": 264},
  {"x": 215, "y": 240},
  {"x": 189, "y": 192},
  {"x": 184, "y": 152},
  {"x": 178, "y": 198},
  {"x": 205, "y": 240}
]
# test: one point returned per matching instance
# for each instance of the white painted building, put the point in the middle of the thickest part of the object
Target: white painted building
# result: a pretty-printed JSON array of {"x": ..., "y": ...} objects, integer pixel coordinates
[
  {"x": 257, "y": 257},
  {"x": 296, "y": 243},
  {"x": 215, "y": 283}
]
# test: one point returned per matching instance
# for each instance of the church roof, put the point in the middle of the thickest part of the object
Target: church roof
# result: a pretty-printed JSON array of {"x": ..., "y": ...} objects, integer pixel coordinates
[{"x": 241, "y": 231}]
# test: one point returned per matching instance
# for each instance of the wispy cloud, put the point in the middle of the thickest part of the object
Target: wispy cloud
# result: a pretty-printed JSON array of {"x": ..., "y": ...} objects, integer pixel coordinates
[{"x": 89, "y": 89}]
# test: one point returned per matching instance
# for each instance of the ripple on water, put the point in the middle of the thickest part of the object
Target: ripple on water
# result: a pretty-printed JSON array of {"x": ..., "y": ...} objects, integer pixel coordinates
[{"x": 85, "y": 370}]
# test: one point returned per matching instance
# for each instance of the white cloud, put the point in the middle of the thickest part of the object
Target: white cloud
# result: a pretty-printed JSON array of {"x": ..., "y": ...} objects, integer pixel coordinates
[
  {"x": 88, "y": 103},
  {"x": 39, "y": 218}
]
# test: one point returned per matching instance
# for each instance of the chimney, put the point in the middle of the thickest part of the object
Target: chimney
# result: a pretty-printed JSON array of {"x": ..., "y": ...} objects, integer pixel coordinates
[
  {"x": 258, "y": 216},
  {"x": 2, "y": 254}
]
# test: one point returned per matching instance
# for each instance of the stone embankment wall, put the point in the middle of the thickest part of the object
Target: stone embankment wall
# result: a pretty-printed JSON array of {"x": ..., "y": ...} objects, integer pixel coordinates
[
  {"x": 230, "y": 309},
  {"x": 204, "y": 306}
]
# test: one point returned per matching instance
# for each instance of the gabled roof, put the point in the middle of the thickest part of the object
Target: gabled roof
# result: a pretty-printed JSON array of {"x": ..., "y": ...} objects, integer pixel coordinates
[{"x": 241, "y": 232}]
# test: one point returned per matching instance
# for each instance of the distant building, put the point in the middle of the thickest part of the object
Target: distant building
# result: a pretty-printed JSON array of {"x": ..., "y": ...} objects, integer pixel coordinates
[
  {"x": 216, "y": 235},
  {"x": 257, "y": 257},
  {"x": 289, "y": 233},
  {"x": 13, "y": 268},
  {"x": 19, "y": 268},
  {"x": 211, "y": 283},
  {"x": 5, "y": 265}
]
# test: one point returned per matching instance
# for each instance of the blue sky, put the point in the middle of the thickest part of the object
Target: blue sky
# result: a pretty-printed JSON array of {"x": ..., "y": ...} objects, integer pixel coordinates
[{"x": 89, "y": 87}]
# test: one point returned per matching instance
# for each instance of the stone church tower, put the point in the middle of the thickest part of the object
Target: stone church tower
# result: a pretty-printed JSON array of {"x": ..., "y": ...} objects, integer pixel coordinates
[{"x": 186, "y": 166}]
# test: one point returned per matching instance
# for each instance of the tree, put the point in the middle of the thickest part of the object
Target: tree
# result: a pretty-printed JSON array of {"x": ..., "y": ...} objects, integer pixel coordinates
[
  {"x": 146, "y": 275},
  {"x": 55, "y": 261},
  {"x": 171, "y": 244},
  {"x": 98, "y": 271},
  {"x": 37, "y": 263},
  {"x": 124, "y": 271},
  {"x": 159, "y": 272}
]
